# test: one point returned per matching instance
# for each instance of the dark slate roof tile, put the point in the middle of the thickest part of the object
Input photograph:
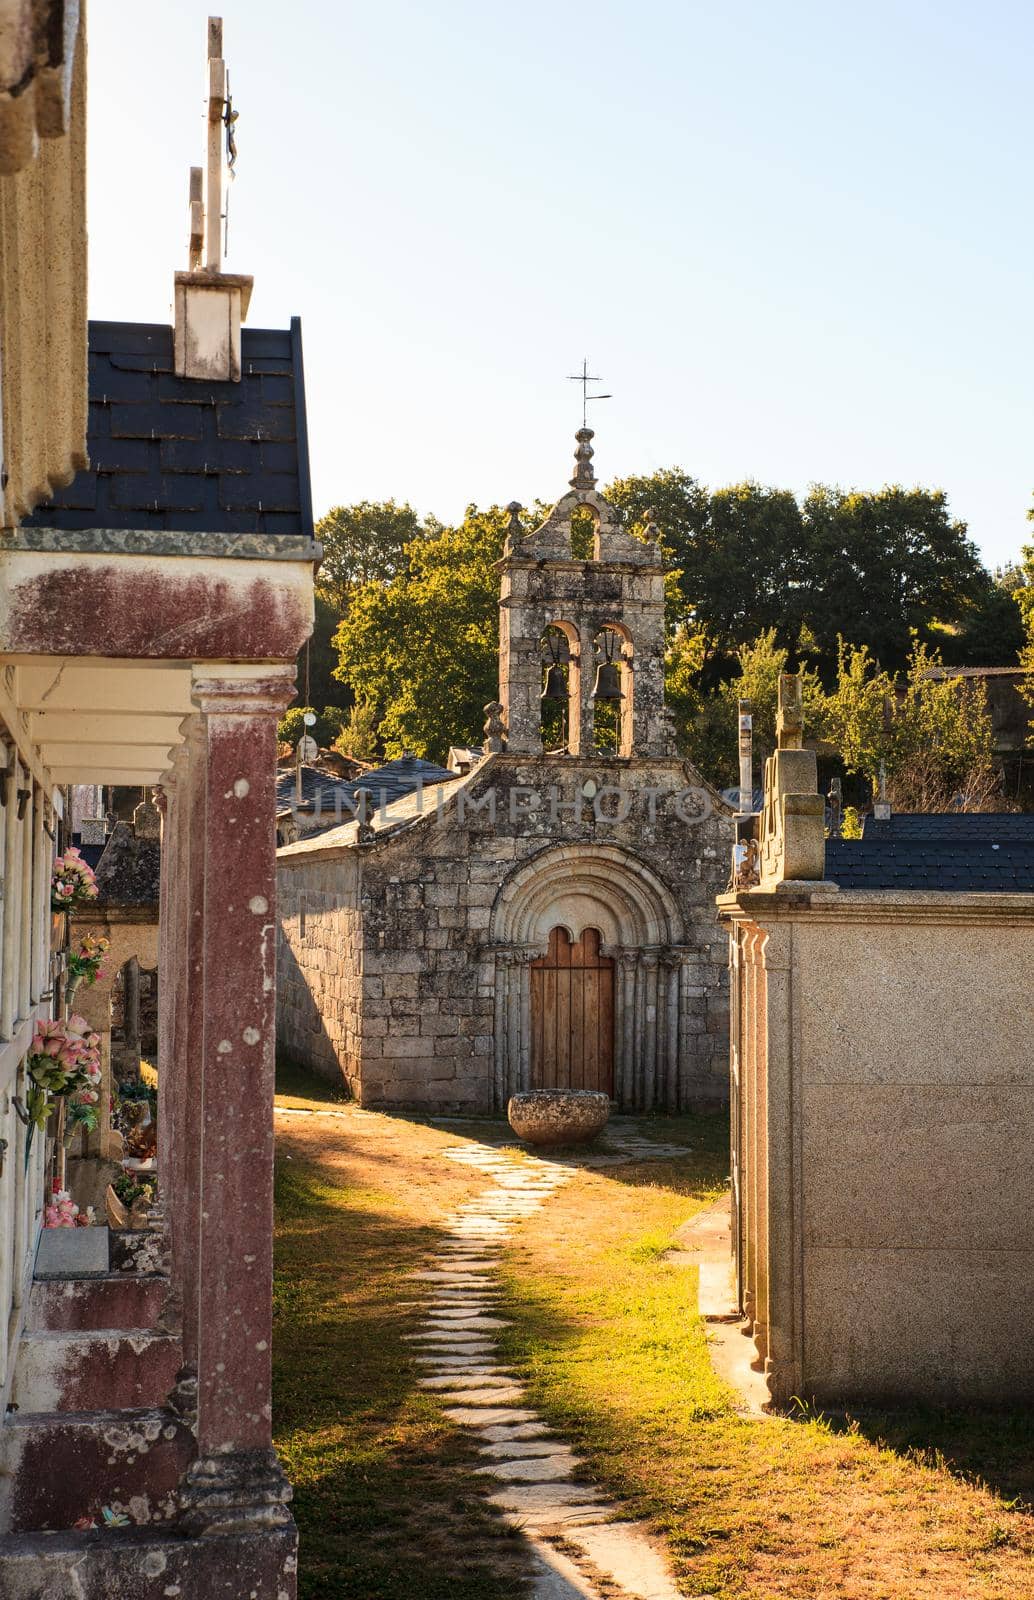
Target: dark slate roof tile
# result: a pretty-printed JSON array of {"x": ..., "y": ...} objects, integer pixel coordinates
[
  {"x": 277, "y": 391},
  {"x": 278, "y": 457},
  {"x": 949, "y": 863},
  {"x": 270, "y": 492},
  {"x": 256, "y": 421},
  {"x": 124, "y": 455},
  {"x": 194, "y": 444},
  {"x": 155, "y": 421},
  {"x": 165, "y": 493},
  {"x": 131, "y": 338}
]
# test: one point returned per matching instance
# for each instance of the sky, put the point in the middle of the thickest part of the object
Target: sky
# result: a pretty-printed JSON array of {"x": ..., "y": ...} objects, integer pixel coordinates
[{"x": 795, "y": 242}]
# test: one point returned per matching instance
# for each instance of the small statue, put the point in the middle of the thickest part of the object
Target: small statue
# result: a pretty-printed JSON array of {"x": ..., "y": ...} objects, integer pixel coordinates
[{"x": 495, "y": 727}]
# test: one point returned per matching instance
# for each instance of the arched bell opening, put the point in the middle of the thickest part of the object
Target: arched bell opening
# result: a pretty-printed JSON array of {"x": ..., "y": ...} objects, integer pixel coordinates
[
  {"x": 585, "y": 522},
  {"x": 612, "y": 708},
  {"x": 561, "y": 693}
]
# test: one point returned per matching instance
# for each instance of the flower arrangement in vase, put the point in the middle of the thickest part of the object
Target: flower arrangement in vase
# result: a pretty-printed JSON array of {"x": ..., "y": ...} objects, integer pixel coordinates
[
  {"x": 72, "y": 881},
  {"x": 64, "y": 1063},
  {"x": 86, "y": 965}
]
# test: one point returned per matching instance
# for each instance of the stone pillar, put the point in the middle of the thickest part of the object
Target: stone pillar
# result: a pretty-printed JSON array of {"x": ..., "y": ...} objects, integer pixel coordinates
[
  {"x": 624, "y": 1084},
  {"x": 500, "y": 1085},
  {"x": 236, "y": 1483}
]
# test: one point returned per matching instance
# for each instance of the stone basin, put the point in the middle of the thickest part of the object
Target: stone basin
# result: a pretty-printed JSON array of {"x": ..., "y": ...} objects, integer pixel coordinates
[{"x": 558, "y": 1116}]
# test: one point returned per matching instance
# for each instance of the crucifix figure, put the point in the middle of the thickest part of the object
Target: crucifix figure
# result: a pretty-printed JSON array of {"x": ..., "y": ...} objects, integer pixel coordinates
[
  {"x": 206, "y": 184},
  {"x": 585, "y": 378}
]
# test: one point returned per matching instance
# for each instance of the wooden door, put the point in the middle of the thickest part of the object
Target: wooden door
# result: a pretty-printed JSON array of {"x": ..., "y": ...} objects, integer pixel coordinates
[{"x": 572, "y": 1015}]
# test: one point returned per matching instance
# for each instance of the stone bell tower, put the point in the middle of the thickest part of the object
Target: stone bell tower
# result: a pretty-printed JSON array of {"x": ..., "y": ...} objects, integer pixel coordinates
[{"x": 591, "y": 629}]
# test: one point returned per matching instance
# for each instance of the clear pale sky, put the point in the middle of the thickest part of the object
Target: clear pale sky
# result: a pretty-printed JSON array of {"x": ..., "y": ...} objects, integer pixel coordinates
[{"x": 796, "y": 241}]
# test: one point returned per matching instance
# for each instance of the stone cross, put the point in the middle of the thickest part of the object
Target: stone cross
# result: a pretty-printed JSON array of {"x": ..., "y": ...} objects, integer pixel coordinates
[
  {"x": 214, "y": 163},
  {"x": 790, "y": 715}
]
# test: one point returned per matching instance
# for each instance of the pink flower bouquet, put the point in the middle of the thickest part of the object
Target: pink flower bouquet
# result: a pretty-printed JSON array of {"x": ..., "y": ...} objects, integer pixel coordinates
[
  {"x": 64, "y": 1060},
  {"x": 72, "y": 881}
]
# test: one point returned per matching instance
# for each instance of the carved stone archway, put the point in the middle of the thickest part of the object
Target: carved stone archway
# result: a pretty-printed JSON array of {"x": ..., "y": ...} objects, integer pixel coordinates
[{"x": 580, "y": 887}]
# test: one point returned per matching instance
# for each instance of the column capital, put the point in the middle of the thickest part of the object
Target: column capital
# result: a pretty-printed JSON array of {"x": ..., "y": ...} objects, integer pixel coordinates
[{"x": 238, "y": 693}]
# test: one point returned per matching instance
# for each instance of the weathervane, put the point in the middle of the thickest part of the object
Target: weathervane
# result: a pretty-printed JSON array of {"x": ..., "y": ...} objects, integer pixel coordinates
[{"x": 585, "y": 377}]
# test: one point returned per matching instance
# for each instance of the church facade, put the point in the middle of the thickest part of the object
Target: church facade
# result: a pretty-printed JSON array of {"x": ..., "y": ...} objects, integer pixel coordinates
[{"x": 547, "y": 920}]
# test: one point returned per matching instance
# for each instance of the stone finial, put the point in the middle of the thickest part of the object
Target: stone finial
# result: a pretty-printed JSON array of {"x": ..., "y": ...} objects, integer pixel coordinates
[
  {"x": 514, "y": 531},
  {"x": 584, "y": 477},
  {"x": 495, "y": 727},
  {"x": 790, "y": 715}
]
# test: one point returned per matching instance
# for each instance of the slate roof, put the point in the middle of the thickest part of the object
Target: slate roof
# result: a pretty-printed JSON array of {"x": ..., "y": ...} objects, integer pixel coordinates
[
  {"x": 187, "y": 454},
  {"x": 989, "y": 852},
  {"x": 385, "y": 784}
]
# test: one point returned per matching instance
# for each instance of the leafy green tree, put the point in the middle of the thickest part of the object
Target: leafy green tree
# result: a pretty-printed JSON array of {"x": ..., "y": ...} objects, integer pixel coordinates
[
  {"x": 881, "y": 566},
  {"x": 706, "y": 723},
  {"x": 990, "y": 631},
  {"x": 736, "y": 554},
  {"x": 364, "y": 543},
  {"x": 932, "y": 732},
  {"x": 324, "y": 730},
  {"x": 423, "y": 646},
  {"x": 358, "y": 735}
]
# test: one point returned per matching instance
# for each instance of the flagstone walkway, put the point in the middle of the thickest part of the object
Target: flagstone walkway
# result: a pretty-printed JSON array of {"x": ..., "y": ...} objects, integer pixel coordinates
[{"x": 582, "y": 1550}]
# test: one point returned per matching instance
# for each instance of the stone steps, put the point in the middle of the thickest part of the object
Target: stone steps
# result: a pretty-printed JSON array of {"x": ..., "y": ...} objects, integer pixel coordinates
[
  {"x": 141, "y": 1564},
  {"x": 56, "y": 1467},
  {"x": 100, "y": 1369},
  {"x": 113, "y": 1300}
]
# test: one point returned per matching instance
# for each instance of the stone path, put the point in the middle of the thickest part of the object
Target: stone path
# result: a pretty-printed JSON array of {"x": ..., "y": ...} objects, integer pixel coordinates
[{"x": 581, "y": 1549}]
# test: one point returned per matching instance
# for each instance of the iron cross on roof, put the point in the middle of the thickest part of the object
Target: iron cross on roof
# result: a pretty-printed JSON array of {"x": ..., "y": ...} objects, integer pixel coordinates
[{"x": 585, "y": 377}]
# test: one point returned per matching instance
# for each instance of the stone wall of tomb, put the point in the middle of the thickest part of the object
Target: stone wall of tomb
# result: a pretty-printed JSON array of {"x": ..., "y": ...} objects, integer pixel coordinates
[{"x": 320, "y": 969}]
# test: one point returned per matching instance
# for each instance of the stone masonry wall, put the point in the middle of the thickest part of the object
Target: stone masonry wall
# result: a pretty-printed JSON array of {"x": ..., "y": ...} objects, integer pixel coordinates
[
  {"x": 430, "y": 971},
  {"x": 320, "y": 968}
]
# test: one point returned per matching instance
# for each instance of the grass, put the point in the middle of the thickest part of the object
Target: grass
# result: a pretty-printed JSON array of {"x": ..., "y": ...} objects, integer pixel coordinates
[
  {"x": 903, "y": 1505},
  {"x": 387, "y": 1504}
]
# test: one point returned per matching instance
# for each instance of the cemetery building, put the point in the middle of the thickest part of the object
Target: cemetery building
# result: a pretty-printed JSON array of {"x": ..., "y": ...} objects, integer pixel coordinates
[
  {"x": 882, "y": 1097},
  {"x": 156, "y": 564},
  {"x": 546, "y": 917}
]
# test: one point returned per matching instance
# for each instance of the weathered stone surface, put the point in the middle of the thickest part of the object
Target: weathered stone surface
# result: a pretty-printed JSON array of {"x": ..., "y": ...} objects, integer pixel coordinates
[
  {"x": 558, "y": 1116},
  {"x": 410, "y": 976}
]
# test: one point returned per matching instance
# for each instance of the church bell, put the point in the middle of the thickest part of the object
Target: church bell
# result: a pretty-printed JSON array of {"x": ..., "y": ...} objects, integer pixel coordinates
[
  {"x": 555, "y": 687},
  {"x": 608, "y": 682}
]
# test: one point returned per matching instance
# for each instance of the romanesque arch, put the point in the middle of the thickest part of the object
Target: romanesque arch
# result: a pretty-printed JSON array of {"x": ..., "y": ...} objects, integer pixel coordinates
[{"x": 581, "y": 888}]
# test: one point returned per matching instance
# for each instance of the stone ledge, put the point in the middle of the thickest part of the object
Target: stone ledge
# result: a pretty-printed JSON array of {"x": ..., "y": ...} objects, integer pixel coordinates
[{"x": 162, "y": 542}]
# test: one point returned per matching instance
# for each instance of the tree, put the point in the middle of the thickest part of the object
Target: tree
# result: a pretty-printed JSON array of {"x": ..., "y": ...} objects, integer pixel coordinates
[
  {"x": 736, "y": 554},
  {"x": 423, "y": 646},
  {"x": 990, "y": 631},
  {"x": 706, "y": 723},
  {"x": 881, "y": 566},
  {"x": 364, "y": 543},
  {"x": 324, "y": 730},
  {"x": 358, "y": 735},
  {"x": 931, "y": 732}
]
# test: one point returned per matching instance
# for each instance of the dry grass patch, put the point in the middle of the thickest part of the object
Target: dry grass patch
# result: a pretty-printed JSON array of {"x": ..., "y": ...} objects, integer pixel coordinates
[{"x": 909, "y": 1505}]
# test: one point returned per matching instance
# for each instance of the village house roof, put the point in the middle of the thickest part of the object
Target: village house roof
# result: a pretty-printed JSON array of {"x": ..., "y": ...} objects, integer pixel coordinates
[
  {"x": 988, "y": 852},
  {"x": 177, "y": 454},
  {"x": 385, "y": 785}
]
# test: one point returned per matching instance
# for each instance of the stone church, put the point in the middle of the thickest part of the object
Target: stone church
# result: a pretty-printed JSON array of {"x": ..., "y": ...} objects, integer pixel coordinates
[{"x": 547, "y": 919}]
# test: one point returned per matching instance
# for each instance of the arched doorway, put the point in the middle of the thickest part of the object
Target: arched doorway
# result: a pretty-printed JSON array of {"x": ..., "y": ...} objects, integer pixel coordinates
[{"x": 572, "y": 1014}]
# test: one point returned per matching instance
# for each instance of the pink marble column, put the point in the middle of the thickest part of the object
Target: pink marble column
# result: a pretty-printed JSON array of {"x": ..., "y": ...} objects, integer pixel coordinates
[{"x": 228, "y": 1134}]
